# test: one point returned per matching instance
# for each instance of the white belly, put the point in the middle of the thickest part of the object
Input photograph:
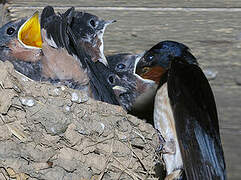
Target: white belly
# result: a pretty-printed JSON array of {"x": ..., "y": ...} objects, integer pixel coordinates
[{"x": 164, "y": 122}]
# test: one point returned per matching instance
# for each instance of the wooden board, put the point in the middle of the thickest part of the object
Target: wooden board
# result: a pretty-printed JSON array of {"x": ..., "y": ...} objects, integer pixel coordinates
[
  {"x": 1, "y": 13},
  {"x": 228, "y": 103},
  {"x": 130, "y": 3}
]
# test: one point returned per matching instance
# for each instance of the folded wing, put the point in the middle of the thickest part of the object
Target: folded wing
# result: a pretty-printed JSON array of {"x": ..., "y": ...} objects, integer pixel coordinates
[{"x": 196, "y": 122}]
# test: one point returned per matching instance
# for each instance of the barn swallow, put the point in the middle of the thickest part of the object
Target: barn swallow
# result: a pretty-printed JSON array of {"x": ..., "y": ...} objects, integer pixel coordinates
[
  {"x": 59, "y": 61},
  {"x": 66, "y": 60},
  {"x": 185, "y": 112},
  {"x": 122, "y": 63},
  {"x": 20, "y": 43},
  {"x": 132, "y": 92},
  {"x": 88, "y": 29},
  {"x": 26, "y": 45}
]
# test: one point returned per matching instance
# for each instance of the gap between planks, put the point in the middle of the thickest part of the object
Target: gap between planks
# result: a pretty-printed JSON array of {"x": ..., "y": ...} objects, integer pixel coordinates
[{"x": 137, "y": 9}]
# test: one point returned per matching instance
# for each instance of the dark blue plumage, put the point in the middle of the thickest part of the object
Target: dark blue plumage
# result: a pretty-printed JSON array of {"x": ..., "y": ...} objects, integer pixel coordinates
[{"x": 193, "y": 108}]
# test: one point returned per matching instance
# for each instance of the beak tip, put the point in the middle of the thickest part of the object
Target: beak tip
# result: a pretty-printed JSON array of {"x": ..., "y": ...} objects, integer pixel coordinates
[
  {"x": 119, "y": 89},
  {"x": 110, "y": 22},
  {"x": 36, "y": 13}
]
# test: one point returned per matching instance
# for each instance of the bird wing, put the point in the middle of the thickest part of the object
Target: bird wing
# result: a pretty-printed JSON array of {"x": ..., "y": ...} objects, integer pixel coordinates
[
  {"x": 196, "y": 122},
  {"x": 47, "y": 15},
  {"x": 97, "y": 72},
  {"x": 56, "y": 27},
  {"x": 101, "y": 89},
  {"x": 60, "y": 35}
]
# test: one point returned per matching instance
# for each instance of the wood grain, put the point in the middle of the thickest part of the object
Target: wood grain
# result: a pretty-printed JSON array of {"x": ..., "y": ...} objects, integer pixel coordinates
[
  {"x": 132, "y": 3},
  {"x": 136, "y": 31}
]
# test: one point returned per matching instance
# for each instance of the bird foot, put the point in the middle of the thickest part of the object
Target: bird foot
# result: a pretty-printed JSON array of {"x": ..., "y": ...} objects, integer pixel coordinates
[
  {"x": 166, "y": 147},
  {"x": 162, "y": 141},
  {"x": 169, "y": 147}
]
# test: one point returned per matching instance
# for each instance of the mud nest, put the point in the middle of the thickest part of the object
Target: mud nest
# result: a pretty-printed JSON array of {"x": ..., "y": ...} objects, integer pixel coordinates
[{"x": 53, "y": 132}]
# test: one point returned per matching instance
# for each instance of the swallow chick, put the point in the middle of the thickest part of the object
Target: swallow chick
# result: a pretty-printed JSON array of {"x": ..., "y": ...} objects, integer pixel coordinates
[
  {"x": 185, "y": 112},
  {"x": 67, "y": 61},
  {"x": 132, "y": 92},
  {"x": 59, "y": 61},
  {"x": 20, "y": 43},
  {"x": 41, "y": 53}
]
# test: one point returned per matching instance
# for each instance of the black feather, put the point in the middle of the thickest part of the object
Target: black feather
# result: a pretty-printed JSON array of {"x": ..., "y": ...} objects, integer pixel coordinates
[
  {"x": 59, "y": 29},
  {"x": 196, "y": 121},
  {"x": 47, "y": 15},
  {"x": 97, "y": 73}
]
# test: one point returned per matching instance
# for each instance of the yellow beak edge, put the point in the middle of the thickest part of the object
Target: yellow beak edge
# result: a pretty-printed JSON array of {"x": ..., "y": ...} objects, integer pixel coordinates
[{"x": 29, "y": 33}]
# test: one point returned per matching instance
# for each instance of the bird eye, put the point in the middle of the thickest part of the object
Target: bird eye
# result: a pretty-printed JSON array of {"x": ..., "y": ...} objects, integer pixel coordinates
[
  {"x": 121, "y": 66},
  {"x": 149, "y": 58},
  {"x": 111, "y": 79},
  {"x": 92, "y": 23},
  {"x": 10, "y": 31}
]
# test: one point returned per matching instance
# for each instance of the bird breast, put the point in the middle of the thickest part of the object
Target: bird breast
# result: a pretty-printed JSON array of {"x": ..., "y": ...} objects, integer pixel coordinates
[
  {"x": 163, "y": 116},
  {"x": 57, "y": 63},
  {"x": 165, "y": 124}
]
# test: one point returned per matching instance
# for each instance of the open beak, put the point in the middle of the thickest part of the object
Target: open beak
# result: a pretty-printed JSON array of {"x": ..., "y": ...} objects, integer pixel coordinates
[
  {"x": 109, "y": 22},
  {"x": 29, "y": 33},
  {"x": 119, "y": 90},
  {"x": 102, "y": 25}
]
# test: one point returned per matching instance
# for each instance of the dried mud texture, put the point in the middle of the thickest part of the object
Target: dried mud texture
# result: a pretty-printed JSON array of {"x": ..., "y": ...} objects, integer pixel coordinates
[{"x": 53, "y": 132}]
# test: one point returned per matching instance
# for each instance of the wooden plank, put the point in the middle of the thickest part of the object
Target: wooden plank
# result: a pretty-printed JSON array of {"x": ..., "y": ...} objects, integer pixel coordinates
[
  {"x": 231, "y": 145},
  {"x": 226, "y": 74},
  {"x": 228, "y": 104},
  {"x": 126, "y": 3},
  {"x": 1, "y": 13}
]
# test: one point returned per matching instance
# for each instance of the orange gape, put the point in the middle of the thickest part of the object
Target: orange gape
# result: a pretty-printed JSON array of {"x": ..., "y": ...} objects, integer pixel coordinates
[
  {"x": 154, "y": 74},
  {"x": 30, "y": 32}
]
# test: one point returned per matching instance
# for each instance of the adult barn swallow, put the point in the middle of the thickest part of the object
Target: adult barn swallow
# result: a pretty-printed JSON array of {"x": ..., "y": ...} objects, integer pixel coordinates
[
  {"x": 20, "y": 43},
  {"x": 132, "y": 92},
  {"x": 185, "y": 112}
]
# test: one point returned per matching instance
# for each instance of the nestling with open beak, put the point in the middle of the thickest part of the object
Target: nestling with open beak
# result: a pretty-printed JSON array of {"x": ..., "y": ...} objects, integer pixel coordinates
[{"x": 20, "y": 43}]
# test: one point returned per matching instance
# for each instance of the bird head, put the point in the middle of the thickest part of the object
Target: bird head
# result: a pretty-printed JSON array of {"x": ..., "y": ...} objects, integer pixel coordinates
[
  {"x": 123, "y": 63},
  {"x": 130, "y": 90},
  {"x": 156, "y": 61},
  {"x": 89, "y": 30},
  {"x": 21, "y": 39}
]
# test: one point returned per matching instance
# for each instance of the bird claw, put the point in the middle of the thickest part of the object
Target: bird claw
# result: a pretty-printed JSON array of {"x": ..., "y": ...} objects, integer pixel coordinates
[
  {"x": 162, "y": 142},
  {"x": 166, "y": 147},
  {"x": 169, "y": 147}
]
